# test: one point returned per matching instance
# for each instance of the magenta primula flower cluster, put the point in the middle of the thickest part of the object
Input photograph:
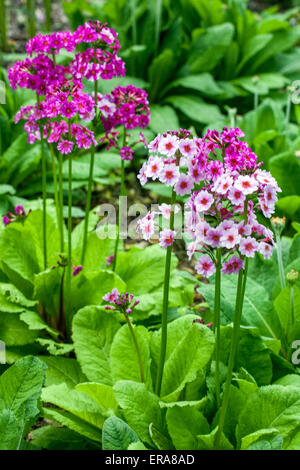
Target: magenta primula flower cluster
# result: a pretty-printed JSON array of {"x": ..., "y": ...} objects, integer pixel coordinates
[
  {"x": 62, "y": 102},
  {"x": 124, "y": 303},
  {"x": 128, "y": 107},
  {"x": 227, "y": 189}
]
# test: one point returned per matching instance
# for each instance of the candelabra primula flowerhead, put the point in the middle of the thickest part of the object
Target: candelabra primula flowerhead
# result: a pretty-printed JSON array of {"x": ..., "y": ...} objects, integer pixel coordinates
[
  {"x": 173, "y": 161},
  {"x": 124, "y": 303},
  {"x": 19, "y": 215},
  {"x": 37, "y": 73},
  {"x": 57, "y": 114},
  {"x": 127, "y": 107},
  {"x": 224, "y": 211}
]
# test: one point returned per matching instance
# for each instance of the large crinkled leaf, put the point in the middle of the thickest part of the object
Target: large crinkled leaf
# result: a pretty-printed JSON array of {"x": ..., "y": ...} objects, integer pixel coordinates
[
  {"x": 257, "y": 309},
  {"x": 189, "y": 349},
  {"x": 274, "y": 406},
  {"x": 101, "y": 394},
  {"x": 62, "y": 370},
  {"x": 207, "y": 441},
  {"x": 10, "y": 430},
  {"x": 143, "y": 269},
  {"x": 73, "y": 422},
  {"x": 59, "y": 438},
  {"x": 124, "y": 361},
  {"x": 184, "y": 424},
  {"x": 251, "y": 439},
  {"x": 195, "y": 108},
  {"x": 21, "y": 385},
  {"x": 253, "y": 354},
  {"x": 12, "y": 300},
  {"x": 75, "y": 402},
  {"x": 163, "y": 117},
  {"x": 93, "y": 331},
  {"x": 35, "y": 322},
  {"x": 208, "y": 48},
  {"x": 55, "y": 348},
  {"x": 117, "y": 435},
  {"x": 47, "y": 289},
  {"x": 282, "y": 305},
  {"x": 23, "y": 248},
  {"x": 140, "y": 408},
  {"x": 203, "y": 82},
  {"x": 97, "y": 250},
  {"x": 14, "y": 332}
]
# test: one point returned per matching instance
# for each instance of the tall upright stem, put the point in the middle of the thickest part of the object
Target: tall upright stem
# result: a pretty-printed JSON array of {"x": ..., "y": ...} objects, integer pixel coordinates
[
  {"x": 91, "y": 174},
  {"x": 69, "y": 319},
  {"x": 280, "y": 261},
  {"x": 3, "y": 20},
  {"x": 30, "y": 6},
  {"x": 234, "y": 345},
  {"x": 136, "y": 348},
  {"x": 56, "y": 196},
  {"x": 164, "y": 319},
  {"x": 217, "y": 321},
  {"x": 122, "y": 193},
  {"x": 47, "y": 7},
  {"x": 61, "y": 201},
  {"x": 44, "y": 188}
]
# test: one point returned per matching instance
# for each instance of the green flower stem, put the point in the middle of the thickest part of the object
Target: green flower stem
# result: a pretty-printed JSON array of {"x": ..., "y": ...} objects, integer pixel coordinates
[
  {"x": 44, "y": 188},
  {"x": 164, "y": 319},
  {"x": 217, "y": 320},
  {"x": 91, "y": 174},
  {"x": 292, "y": 306},
  {"x": 3, "y": 20},
  {"x": 56, "y": 195},
  {"x": 138, "y": 352},
  {"x": 234, "y": 345},
  {"x": 122, "y": 193},
  {"x": 47, "y": 7},
  {"x": 30, "y": 7},
  {"x": 280, "y": 261},
  {"x": 61, "y": 201},
  {"x": 69, "y": 271}
]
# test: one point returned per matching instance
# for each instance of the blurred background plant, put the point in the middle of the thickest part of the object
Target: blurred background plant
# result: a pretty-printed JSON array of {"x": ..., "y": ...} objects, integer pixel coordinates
[{"x": 204, "y": 63}]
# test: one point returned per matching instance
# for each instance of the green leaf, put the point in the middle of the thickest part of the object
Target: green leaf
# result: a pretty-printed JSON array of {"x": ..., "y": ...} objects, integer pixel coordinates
[
  {"x": 140, "y": 408},
  {"x": 189, "y": 349},
  {"x": 150, "y": 262},
  {"x": 21, "y": 385},
  {"x": 207, "y": 441},
  {"x": 117, "y": 435},
  {"x": 251, "y": 439},
  {"x": 47, "y": 290},
  {"x": 195, "y": 108},
  {"x": 10, "y": 430},
  {"x": 184, "y": 424},
  {"x": 101, "y": 394},
  {"x": 162, "y": 118},
  {"x": 14, "y": 332},
  {"x": 203, "y": 82},
  {"x": 274, "y": 406},
  {"x": 123, "y": 356},
  {"x": 208, "y": 48},
  {"x": 35, "y": 322},
  {"x": 160, "y": 72},
  {"x": 253, "y": 355},
  {"x": 12, "y": 300},
  {"x": 77, "y": 403},
  {"x": 89, "y": 287},
  {"x": 57, "y": 438},
  {"x": 73, "y": 422},
  {"x": 62, "y": 370},
  {"x": 93, "y": 331}
]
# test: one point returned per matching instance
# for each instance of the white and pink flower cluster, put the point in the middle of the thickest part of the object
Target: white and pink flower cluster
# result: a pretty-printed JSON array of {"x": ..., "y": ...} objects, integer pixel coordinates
[
  {"x": 173, "y": 161},
  {"x": 227, "y": 190}
]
